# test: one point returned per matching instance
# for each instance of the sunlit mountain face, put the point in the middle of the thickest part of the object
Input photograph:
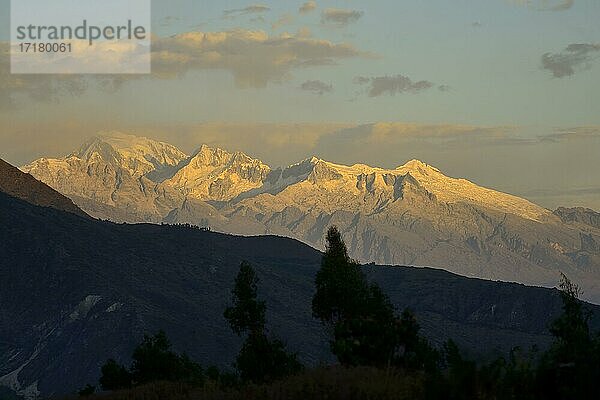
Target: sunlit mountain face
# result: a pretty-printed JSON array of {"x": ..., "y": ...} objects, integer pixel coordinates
[{"x": 410, "y": 215}]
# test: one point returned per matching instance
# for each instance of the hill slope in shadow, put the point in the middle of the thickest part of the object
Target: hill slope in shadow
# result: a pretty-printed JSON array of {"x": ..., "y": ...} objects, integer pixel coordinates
[{"x": 75, "y": 292}]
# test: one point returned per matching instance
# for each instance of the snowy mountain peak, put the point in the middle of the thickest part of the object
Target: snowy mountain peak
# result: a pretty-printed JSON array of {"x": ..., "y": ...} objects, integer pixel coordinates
[
  {"x": 419, "y": 166},
  {"x": 215, "y": 174},
  {"x": 208, "y": 156},
  {"x": 138, "y": 155},
  {"x": 218, "y": 175}
]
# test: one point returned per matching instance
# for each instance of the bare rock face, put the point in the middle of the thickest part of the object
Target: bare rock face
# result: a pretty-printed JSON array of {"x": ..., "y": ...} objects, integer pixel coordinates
[
  {"x": 579, "y": 215},
  {"x": 413, "y": 214}
]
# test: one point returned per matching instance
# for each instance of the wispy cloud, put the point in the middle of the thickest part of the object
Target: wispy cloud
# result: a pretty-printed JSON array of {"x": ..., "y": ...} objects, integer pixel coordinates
[
  {"x": 252, "y": 9},
  {"x": 546, "y": 5},
  {"x": 340, "y": 17},
  {"x": 168, "y": 20},
  {"x": 317, "y": 87},
  {"x": 392, "y": 85},
  {"x": 575, "y": 133},
  {"x": 308, "y": 7},
  {"x": 572, "y": 57},
  {"x": 284, "y": 20}
]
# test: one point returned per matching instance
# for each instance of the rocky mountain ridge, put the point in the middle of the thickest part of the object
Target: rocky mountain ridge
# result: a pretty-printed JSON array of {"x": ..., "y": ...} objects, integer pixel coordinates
[{"x": 410, "y": 215}]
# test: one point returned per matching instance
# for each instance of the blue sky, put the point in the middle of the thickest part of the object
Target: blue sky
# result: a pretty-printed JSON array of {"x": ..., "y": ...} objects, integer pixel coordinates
[{"x": 487, "y": 52}]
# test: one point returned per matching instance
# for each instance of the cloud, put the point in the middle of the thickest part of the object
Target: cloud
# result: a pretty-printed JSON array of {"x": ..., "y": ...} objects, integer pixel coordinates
[
  {"x": 168, "y": 20},
  {"x": 444, "y": 88},
  {"x": 253, "y": 57},
  {"x": 575, "y": 133},
  {"x": 573, "y": 56},
  {"x": 44, "y": 88},
  {"x": 252, "y": 9},
  {"x": 304, "y": 32},
  {"x": 562, "y": 5},
  {"x": 285, "y": 19},
  {"x": 546, "y": 5},
  {"x": 317, "y": 87},
  {"x": 308, "y": 7},
  {"x": 392, "y": 85},
  {"x": 53, "y": 87},
  {"x": 340, "y": 17},
  {"x": 397, "y": 132},
  {"x": 258, "y": 19}
]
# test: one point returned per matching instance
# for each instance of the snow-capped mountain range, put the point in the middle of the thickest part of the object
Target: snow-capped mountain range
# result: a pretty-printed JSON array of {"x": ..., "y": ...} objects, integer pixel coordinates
[{"x": 412, "y": 214}]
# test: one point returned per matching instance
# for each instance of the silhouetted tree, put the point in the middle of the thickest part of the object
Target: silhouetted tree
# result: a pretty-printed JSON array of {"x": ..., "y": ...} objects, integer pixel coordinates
[
  {"x": 519, "y": 376},
  {"x": 341, "y": 285},
  {"x": 88, "y": 390},
  {"x": 224, "y": 379},
  {"x": 570, "y": 369},
  {"x": 115, "y": 376},
  {"x": 247, "y": 314},
  {"x": 261, "y": 358},
  {"x": 364, "y": 327},
  {"x": 461, "y": 373},
  {"x": 154, "y": 361}
]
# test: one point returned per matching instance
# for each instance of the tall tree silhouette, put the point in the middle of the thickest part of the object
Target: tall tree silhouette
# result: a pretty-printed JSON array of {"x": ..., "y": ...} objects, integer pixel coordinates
[
  {"x": 361, "y": 319},
  {"x": 261, "y": 358},
  {"x": 247, "y": 314},
  {"x": 341, "y": 286},
  {"x": 570, "y": 369}
]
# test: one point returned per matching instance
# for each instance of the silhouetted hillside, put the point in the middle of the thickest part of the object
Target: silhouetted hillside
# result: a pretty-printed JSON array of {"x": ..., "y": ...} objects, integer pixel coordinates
[{"x": 75, "y": 291}]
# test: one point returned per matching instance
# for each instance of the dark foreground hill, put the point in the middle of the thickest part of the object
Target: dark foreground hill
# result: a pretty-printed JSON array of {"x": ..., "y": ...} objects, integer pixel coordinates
[{"x": 75, "y": 291}]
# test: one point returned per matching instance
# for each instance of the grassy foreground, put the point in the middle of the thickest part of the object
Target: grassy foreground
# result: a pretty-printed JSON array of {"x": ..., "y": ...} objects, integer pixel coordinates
[{"x": 330, "y": 383}]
